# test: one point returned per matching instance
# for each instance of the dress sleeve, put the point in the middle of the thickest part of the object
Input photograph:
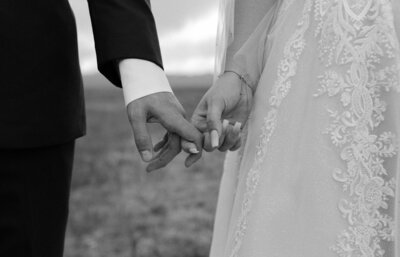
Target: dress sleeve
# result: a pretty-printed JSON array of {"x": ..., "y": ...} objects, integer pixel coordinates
[
  {"x": 123, "y": 29},
  {"x": 245, "y": 55}
]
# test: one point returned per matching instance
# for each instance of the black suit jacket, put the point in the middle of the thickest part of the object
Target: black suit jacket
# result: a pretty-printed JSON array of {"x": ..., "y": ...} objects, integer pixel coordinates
[{"x": 41, "y": 95}]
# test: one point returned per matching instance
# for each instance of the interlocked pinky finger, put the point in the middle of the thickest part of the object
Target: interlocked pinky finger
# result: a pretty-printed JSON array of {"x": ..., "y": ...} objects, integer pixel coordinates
[
  {"x": 167, "y": 154},
  {"x": 161, "y": 144},
  {"x": 231, "y": 138},
  {"x": 236, "y": 146}
]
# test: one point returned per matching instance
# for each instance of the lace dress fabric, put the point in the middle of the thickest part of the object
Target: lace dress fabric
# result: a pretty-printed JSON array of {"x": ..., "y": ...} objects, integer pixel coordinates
[{"x": 318, "y": 174}]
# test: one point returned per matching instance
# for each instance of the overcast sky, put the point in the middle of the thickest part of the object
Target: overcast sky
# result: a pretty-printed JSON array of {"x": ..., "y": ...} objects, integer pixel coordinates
[{"x": 186, "y": 28}]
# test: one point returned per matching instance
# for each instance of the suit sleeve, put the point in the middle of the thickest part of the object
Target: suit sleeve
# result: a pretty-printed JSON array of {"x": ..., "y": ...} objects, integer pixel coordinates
[{"x": 123, "y": 29}]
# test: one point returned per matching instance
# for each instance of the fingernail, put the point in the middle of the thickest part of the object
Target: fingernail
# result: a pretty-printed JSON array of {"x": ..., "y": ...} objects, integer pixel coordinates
[
  {"x": 214, "y": 139},
  {"x": 193, "y": 151},
  {"x": 225, "y": 124},
  {"x": 237, "y": 126},
  {"x": 192, "y": 148},
  {"x": 146, "y": 155}
]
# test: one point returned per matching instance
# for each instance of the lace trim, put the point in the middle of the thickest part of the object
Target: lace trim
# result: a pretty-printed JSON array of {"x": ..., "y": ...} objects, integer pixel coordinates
[
  {"x": 358, "y": 44},
  {"x": 286, "y": 70},
  {"x": 285, "y": 6}
]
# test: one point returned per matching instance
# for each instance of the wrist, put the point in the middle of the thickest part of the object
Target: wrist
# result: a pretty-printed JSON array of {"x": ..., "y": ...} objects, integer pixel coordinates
[
  {"x": 141, "y": 78},
  {"x": 242, "y": 78}
]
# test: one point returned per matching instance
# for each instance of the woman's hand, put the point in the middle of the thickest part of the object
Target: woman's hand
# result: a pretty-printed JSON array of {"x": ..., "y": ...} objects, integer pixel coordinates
[{"x": 221, "y": 114}]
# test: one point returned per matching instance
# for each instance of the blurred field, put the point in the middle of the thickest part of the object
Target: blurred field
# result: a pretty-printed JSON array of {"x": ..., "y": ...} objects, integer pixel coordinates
[{"x": 117, "y": 210}]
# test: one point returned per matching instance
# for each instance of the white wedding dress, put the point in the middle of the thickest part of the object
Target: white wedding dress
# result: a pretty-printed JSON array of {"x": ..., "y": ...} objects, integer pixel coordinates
[{"x": 318, "y": 175}]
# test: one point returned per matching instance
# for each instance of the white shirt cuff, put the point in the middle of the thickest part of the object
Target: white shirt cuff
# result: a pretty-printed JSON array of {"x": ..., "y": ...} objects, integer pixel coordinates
[{"x": 141, "y": 78}]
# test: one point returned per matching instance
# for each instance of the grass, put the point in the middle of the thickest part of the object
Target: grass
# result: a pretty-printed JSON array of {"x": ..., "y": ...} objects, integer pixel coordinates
[{"x": 118, "y": 210}]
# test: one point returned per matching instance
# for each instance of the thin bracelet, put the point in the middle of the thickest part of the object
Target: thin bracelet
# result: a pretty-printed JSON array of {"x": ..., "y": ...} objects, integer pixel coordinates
[{"x": 241, "y": 78}]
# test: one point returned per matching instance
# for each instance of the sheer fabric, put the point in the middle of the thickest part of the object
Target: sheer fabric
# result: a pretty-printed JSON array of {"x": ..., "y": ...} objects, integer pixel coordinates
[
  {"x": 318, "y": 173},
  {"x": 225, "y": 34}
]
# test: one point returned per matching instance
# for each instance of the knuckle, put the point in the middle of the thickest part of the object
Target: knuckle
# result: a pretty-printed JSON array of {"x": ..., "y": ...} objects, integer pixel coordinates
[
  {"x": 210, "y": 123},
  {"x": 141, "y": 141}
]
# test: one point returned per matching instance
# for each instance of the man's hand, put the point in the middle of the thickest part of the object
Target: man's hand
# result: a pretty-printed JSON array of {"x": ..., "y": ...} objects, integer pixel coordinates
[
  {"x": 165, "y": 109},
  {"x": 229, "y": 99}
]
